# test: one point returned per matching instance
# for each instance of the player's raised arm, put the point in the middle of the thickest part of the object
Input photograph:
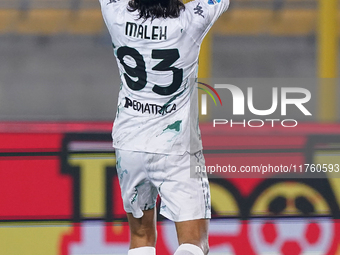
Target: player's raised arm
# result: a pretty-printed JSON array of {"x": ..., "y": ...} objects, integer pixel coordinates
[{"x": 202, "y": 14}]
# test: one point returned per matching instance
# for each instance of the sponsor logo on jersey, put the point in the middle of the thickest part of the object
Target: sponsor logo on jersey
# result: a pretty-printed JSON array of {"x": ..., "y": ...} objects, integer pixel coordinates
[{"x": 149, "y": 108}]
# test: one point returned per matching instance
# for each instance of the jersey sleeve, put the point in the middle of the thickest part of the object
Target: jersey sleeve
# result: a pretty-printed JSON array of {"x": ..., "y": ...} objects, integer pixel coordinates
[
  {"x": 216, "y": 8},
  {"x": 202, "y": 14}
]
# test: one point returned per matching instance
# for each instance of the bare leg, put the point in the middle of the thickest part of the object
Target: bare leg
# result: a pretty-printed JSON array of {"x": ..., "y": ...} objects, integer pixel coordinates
[
  {"x": 143, "y": 230},
  {"x": 194, "y": 232}
]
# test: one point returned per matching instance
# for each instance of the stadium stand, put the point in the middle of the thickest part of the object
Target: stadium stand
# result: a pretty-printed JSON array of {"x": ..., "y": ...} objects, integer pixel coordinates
[
  {"x": 50, "y": 17},
  {"x": 86, "y": 21},
  {"x": 42, "y": 21},
  {"x": 83, "y": 17},
  {"x": 268, "y": 22},
  {"x": 8, "y": 19}
]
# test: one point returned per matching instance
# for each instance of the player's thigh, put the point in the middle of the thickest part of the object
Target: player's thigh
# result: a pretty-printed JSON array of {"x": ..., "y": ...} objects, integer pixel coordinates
[
  {"x": 184, "y": 197},
  {"x": 138, "y": 192}
]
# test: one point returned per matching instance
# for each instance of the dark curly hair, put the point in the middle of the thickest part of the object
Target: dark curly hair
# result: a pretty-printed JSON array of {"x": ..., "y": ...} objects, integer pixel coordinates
[{"x": 156, "y": 8}]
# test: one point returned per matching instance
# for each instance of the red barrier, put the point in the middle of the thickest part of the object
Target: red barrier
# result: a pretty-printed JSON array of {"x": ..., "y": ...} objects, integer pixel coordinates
[{"x": 40, "y": 180}]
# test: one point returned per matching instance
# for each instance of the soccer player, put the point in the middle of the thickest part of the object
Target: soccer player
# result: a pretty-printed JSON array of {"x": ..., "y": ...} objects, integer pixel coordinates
[{"x": 155, "y": 133}]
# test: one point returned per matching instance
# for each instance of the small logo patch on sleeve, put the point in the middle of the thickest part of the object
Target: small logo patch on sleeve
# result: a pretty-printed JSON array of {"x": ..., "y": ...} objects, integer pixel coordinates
[{"x": 213, "y": 2}]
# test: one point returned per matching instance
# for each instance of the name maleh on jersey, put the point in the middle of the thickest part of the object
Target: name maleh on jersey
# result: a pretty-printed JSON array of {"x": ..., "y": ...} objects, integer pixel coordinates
[
  {"x": 149, "y": 108},
  {"x": 145, "y": 32}
]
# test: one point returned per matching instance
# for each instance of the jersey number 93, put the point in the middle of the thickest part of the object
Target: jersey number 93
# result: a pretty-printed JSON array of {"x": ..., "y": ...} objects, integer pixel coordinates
[{"x": 168, "y": 57}]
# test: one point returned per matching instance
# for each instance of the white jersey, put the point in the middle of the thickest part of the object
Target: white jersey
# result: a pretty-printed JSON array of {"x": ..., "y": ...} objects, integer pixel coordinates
[{"x": 158, "y": 62}]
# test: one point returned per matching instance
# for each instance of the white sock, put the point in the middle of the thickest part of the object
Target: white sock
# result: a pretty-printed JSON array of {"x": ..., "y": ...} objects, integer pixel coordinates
[
  {"x": 188, "y": 249},
  {"x": 147, "y": 250}
]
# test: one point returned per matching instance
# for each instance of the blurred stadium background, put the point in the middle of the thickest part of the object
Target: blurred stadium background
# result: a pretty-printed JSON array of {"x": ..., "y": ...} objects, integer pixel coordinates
[{"x": 58, "y": 94}]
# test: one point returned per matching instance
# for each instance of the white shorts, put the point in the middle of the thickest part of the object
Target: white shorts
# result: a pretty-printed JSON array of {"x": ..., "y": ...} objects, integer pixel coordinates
[{"x": 143, "y": 176}]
